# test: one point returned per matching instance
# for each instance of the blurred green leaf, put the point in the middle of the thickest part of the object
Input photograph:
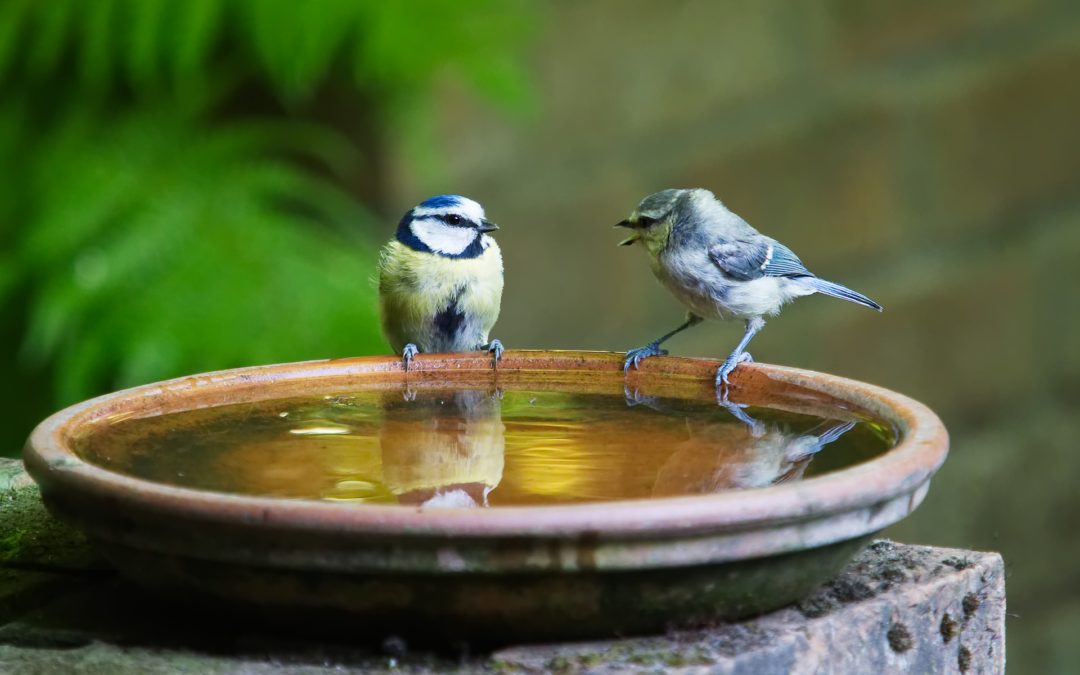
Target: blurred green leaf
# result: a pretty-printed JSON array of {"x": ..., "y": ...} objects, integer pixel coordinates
[
  {"x": 50, "y": 26},
  {"x": 12, "y": 17},
  {"x": 197, "y": 27},
  {"x": 298, "y": 48},
  {"x": 98, "y": 33},
  {"x": 147, "y": 31},
  {"x": 390, "y": 47},
  {"x": 420, "y": 40},
  {"x": 165, "y": 251}
]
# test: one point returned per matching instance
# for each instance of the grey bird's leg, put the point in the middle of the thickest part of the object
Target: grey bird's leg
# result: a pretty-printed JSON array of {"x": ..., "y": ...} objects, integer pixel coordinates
[
  {"x": 636, "y": 356},
  {"x": 740, "y": 354},
  {"x": 496, "y": 348},
  {"x": 407, "y": 355}
]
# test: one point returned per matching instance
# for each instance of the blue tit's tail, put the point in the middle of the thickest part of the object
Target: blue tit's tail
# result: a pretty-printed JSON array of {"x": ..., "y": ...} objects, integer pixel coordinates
[{"x": 838, "y": 291}]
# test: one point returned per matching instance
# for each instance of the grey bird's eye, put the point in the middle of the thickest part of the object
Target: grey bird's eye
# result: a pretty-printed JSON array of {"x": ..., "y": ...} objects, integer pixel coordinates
[{"x": 453, "y": 219}]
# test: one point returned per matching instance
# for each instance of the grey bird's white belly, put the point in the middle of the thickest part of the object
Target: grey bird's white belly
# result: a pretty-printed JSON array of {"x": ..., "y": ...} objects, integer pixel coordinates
[{"x": 700, "y": 285}]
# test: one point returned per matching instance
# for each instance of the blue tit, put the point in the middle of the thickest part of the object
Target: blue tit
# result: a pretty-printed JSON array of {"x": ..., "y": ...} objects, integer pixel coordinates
[
  {"x": 719, "y": 267},
  {"x": 441, "y": 280}
]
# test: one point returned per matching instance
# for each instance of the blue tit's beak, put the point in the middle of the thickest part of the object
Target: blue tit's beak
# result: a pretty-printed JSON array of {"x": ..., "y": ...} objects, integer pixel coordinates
[
  {"x": 628, "y": 224},
  {"x": 487, "y": 226}
]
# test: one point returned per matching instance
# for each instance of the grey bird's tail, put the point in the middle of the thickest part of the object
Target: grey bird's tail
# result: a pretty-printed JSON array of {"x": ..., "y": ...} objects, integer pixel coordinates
[
  {"x": 838, "y": 291},
  {"x": 835, "y": 432}
]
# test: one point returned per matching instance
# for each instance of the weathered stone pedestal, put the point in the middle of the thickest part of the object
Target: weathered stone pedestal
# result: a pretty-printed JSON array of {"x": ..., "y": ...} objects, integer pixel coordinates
[{"x": 896, "y": 609}]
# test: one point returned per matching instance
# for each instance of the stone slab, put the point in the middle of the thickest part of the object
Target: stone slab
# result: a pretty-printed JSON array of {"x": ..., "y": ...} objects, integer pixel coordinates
[{"x": 897, "y": 608}]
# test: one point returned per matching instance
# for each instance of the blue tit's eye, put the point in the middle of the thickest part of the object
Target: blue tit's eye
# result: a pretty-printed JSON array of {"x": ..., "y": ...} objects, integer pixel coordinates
[
  {"x": 645, "y": 221},
  {"x": 453, "y": 219}
]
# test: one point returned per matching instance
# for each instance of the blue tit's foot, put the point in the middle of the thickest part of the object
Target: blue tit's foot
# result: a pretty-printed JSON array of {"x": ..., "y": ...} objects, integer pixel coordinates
[
  {"x": 407, "y": 355},
  {"x": 729, "y": 364},
  {"x": 636, "y": 356},
  {"x": 495, "y": 348}
]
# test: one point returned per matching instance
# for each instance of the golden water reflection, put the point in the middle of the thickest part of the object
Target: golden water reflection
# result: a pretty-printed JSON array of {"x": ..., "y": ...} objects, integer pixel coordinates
[{"x": 469, "y": 448}]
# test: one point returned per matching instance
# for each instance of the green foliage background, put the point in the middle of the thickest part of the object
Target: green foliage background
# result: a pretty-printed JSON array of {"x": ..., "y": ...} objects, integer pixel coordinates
[{"x": 194, "y": 185}]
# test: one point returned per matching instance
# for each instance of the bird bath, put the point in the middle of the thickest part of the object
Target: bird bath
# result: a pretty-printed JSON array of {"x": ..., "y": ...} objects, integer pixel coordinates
[{"x": 553, "y": 498}]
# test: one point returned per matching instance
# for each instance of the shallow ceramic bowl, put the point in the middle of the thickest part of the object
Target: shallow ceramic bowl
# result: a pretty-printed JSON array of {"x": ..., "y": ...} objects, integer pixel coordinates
[{"x": 507, "y": 573}]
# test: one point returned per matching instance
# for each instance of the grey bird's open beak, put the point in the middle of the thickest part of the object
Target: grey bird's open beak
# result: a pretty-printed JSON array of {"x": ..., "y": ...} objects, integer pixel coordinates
[
  {"x": 627, "y": 223},
  {"x": 487, "y": 226}
]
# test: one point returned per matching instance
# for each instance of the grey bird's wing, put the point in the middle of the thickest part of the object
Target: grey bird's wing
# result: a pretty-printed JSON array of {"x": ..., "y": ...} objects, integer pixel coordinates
[{"x": 755, "y": 258}]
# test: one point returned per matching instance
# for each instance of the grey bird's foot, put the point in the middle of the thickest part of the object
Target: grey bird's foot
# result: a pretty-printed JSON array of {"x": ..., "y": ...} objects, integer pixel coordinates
[
  {"x": 729, "y": 364},
  {"x": 496, "y": 349},
  {"x": 636, "y": 356},
  {"x": 407, "y": 355}
]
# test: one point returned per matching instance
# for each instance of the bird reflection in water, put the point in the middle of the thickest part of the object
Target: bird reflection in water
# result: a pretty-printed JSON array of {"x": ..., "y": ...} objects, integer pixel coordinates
[
  {"x": 443, "y": 449},
  {"x": 449, "y": 448},
  {"x": 466, "y": 448},
  {"x": 717, "y": 455}
]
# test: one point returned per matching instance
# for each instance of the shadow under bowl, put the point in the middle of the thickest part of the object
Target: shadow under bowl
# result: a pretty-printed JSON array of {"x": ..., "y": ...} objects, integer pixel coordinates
[{"x": 514, "y": 573}]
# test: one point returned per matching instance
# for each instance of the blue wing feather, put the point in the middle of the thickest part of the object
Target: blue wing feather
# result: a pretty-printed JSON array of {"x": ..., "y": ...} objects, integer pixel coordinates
[
  {"x": 764, "y": 257},
  {"x": 784, "y": 263},
  {"x": 746, "y": 260}
]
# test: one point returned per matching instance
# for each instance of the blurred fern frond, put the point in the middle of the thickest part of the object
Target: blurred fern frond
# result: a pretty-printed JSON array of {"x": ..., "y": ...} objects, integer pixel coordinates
[
  {"x": 293, "y": 47},
  {"x": 161, "y": 249}
]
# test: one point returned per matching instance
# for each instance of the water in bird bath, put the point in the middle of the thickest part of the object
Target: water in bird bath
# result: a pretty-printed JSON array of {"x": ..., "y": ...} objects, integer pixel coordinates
[{"x": 480, "y": 447}]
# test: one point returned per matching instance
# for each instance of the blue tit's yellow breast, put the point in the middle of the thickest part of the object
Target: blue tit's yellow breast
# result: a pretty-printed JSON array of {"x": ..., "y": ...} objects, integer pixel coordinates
[{"x": 415, "y": 286}]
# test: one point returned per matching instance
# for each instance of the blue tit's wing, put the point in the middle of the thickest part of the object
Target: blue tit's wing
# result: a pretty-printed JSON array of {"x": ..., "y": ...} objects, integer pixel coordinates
[{"x": 755, "y": 258}]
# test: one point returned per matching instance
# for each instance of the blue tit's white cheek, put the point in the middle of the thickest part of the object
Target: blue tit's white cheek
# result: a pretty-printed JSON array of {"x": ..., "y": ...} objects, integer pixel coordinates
[{"x": 442, "y": 238}]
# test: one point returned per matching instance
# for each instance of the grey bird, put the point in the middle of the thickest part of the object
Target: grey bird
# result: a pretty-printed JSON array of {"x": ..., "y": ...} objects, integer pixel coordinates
[{"x": 720, "y": 267}]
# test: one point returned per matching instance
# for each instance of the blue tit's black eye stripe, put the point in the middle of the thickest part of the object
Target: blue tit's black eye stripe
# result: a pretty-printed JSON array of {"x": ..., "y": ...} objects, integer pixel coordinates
[{"x": 455, "y": 219}]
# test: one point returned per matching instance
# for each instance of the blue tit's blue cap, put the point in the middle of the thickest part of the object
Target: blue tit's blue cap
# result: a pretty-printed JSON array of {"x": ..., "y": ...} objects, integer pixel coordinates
[{"x": 441, "y": 201}]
